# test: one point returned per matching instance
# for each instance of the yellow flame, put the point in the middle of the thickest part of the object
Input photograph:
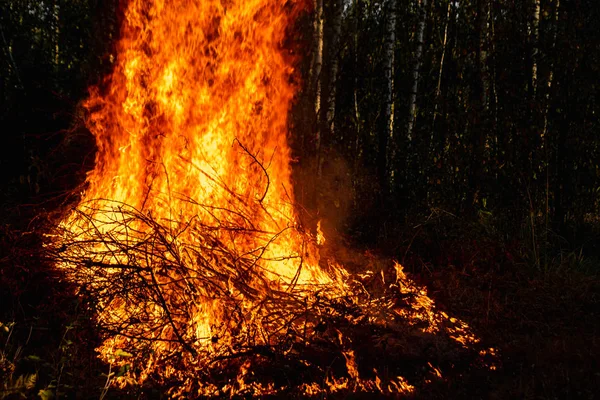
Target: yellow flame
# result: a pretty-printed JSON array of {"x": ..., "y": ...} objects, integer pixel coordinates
[{"x": 191, "y": 191}]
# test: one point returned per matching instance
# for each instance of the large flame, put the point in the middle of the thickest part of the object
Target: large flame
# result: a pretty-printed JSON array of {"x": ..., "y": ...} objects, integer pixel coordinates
[
  {"x": 186, "y": 232},
  {"x": 195, "y": 121},
  {"x": 192, "y": 153}
]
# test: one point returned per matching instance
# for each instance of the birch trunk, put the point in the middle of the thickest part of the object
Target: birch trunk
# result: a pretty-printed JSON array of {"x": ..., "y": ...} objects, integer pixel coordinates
[
  {"x": 551, "y": 70},
  {"x": 483, "y": 10},
  {"x": 480, "y": 117},
  {"x": 315, "y": 70},
  {"x": 412, "y": 114},
  {"x": 331, "y": 46},
  {"x": 357, "y": 118},
  {"x": 438, "y": 89},
  {"x": 390, "y": 42},
  {"x": 333, "y": 72},
  {"x": 546, "y": 110},
  {"x": 535, "y": 40},
  {"x": 56, "y": 34},
  {"x": 494, "y": 74}
]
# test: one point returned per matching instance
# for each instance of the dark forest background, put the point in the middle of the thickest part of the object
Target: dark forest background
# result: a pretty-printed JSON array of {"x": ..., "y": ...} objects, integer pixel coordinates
[
  {"x": 460, "y": 137},
  {"x": 484, "y": 110}
]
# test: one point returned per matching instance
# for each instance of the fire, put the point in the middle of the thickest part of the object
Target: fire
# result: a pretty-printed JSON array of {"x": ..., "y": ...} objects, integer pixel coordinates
[
  {"x": 195, "y": 121},
  {"x": 186, "y": 234}
]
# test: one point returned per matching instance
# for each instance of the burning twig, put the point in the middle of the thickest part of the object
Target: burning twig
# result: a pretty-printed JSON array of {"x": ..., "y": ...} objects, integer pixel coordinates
[
  {"x": 261, "y": 167},
  {"x": 194, "y": 269},
  {"x": 151, "y": 282}
]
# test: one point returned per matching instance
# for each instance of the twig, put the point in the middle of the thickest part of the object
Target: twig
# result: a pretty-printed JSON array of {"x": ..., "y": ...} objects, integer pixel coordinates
[{"x": 260, "y": 165}]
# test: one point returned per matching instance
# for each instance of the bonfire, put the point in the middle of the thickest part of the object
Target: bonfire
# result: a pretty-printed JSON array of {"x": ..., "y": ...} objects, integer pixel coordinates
[{"x": 187, "y": 242}]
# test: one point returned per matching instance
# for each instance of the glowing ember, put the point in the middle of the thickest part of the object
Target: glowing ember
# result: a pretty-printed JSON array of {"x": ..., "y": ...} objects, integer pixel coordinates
[{"x": 186, "y": 236}]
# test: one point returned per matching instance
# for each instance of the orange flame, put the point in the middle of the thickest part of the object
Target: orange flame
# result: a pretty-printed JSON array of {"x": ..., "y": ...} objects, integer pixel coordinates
[
  {"x": 194, "y": 123},
  {"x": 193, "y": 170},
  {"x": 192, "y": 133}
]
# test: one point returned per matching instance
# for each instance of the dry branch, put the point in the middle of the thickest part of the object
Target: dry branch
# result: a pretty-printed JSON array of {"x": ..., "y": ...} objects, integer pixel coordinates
[{"x": 193, "y": 307}]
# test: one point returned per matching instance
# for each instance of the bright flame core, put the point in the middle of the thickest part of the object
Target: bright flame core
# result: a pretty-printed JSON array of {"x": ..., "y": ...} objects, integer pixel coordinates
[{"x": 194, "y": 124}]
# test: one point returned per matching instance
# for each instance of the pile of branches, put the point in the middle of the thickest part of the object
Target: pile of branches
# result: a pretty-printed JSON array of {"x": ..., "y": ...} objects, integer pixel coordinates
[{"x": 181, "y": 307}]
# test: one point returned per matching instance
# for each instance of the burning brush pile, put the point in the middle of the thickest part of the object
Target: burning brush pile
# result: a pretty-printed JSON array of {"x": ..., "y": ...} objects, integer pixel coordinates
[{"x": 186, "y": 241}]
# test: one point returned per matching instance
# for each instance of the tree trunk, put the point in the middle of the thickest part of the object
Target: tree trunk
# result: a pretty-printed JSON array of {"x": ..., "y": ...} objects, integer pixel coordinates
[
  {"x": 551, "y": 72},
  {"x": 412, "y": 113},
  {"x": 327, "y": 45},
  {"x": 331, "y": 39},
  {"x": 546, "y": 110},
  {"x": 493, "y": 88},
  {"x": 56, "y": 9},
  {"x": 310, "y": 128},
  {"x": 480, "y": 118},
  {"x": 483, "y": 34},
  {"x": 535, "y": 42},
  {"x": 438, "y": 89},
  {"x": 357, "y": 117},
  {"x": 334, "y": 50},
  {"x": 315, "y": 74},
  {"x": 388, "y": 146}
]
